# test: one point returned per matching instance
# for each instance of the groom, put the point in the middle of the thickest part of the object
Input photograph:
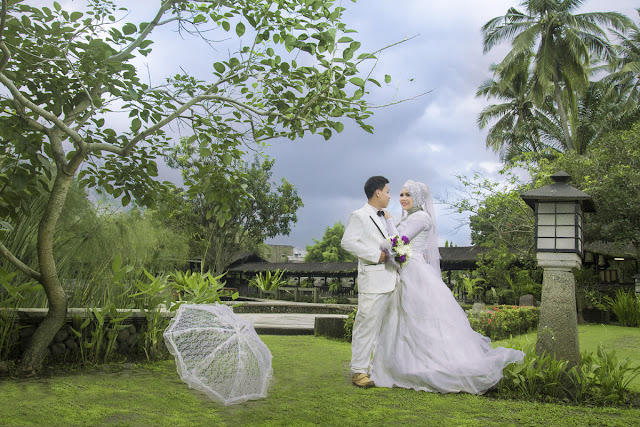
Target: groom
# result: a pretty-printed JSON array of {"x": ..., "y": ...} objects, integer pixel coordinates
[{"x": 363, "y": 236}]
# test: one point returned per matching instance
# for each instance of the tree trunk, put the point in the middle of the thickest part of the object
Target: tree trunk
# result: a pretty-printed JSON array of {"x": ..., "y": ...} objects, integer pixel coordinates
[
  {"x": 35, "y": 353},
  {"x": 564, "y": 121}
]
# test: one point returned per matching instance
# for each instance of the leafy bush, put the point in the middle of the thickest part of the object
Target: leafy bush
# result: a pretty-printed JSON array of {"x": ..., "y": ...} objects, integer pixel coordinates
[
  {"x": 307, "y": 283},
  {"x": 197, "y": 288},
  {"x": 268, "y": 281},
  {"x": 594, "y": 298},
  {"x": 504, "y": 321},
  {"x": 348, "y": 324},
  {"x": 472, "y": 286},
  {"x": 336, "y": 300},
  {"x": 626, "y": 307},
  {"x": 335, "y": 285},
  {"x": 600, "y": 379}
]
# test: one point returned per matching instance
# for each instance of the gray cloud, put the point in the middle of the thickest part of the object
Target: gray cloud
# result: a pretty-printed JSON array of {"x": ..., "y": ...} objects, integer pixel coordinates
[{"x": 430, "y": 139}]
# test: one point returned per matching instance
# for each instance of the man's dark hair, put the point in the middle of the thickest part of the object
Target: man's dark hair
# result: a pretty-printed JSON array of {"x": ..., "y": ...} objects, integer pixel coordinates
[{"x": 374, "y": 183}]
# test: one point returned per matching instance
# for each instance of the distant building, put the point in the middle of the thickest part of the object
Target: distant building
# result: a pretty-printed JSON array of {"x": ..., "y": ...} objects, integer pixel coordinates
[
  {"x": 283, "y": 254},
  {"x": 298, "y": 255}
]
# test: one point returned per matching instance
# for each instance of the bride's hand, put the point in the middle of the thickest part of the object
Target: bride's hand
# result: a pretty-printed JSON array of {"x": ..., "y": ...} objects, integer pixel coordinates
[{"x": 387, "y": 215}]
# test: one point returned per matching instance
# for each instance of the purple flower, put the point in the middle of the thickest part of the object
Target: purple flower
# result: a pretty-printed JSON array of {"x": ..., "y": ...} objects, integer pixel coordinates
[
  {"x": 405, "y": 239},
  {"x": 402, "y": 258}
]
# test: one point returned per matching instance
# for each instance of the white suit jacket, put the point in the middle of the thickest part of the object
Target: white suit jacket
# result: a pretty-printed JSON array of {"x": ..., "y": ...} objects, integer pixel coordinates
[{"x": 363, "y": 237}]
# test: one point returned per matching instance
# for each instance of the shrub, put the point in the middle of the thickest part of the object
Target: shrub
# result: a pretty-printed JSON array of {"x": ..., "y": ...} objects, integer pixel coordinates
[
  {"x": 348, "y": 324},
  {"x": 626, "y": 307},
  {"x": 335, "y": 285},
  {"x": 600, "y": 379},
  {"x": 307, "y": 283},
  {"x": 504, "y": 321},
  {"x": 268, "y": 282}
]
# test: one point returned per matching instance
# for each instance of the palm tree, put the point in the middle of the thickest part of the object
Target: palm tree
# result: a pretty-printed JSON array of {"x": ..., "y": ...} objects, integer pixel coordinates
[
  {"x": 563, "y": 45},
  {"x": 520, "y": 125},
  {"x": 625, "y": 73}
]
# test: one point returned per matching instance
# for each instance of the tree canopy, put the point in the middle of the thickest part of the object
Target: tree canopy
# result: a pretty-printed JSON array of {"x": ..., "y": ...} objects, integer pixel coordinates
[
  {"x": 329, "y": 249},
  {"x": 256, "y": 210},
  {"x": 294, "y": 70},
  {"x": 554, "y": 55}
]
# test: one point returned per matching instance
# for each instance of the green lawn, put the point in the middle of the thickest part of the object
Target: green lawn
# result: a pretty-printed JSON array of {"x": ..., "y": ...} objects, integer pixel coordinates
[{"x": 311, "y": 386}]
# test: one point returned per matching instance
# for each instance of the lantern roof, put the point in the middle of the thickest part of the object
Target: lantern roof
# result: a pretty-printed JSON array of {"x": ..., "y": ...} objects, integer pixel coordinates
[
  {"x": 559, "y": 191},
  {"x": 636, "y": 277}
]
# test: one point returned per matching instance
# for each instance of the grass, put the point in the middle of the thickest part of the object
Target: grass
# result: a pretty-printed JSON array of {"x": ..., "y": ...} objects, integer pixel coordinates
[{"x": 311, "y": 386}]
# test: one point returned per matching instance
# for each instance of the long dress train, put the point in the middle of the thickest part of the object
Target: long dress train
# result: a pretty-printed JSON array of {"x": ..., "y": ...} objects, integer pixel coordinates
[{"x": 426, "y": 342}]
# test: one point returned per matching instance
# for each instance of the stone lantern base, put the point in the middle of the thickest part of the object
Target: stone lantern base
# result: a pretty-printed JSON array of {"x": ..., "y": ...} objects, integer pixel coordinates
[{"x": 558, "y": 328}]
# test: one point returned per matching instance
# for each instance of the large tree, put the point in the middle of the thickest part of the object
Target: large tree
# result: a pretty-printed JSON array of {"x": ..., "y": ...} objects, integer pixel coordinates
[
  {"x": 219, "y": 232},
  {"x": 624, "y": 79},
  {"x": 292, "y": 70},
  {"x": 564, "y": 45},
  {"x": 329, "y": 249},
  {"x": 520, "y": 125},
  {"x": 610, "y": 173}
]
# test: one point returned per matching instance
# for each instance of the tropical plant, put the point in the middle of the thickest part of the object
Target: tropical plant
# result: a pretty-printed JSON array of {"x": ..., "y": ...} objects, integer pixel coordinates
[
  {"x": 472, "y": 286},
  {"x": 197, "y": 288},
  {"x": 520, "y": 126},
  {"x": 626, "y": 307},
  {"x": 600, "y": 379},
  {"x": 335, "y": 285},
  {"x": 625, "y": 74},
  {"x": 11, "y": 297},
  {"x": 294, "y": 72},
  {"x": 564, "y": 45},
  {"x": 268, "y": 281},
  {"x": 594, "y": 299}
]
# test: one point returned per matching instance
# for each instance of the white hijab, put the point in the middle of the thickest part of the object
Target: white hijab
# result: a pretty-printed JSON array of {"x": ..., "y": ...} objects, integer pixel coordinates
[{"x": 423, "y": 201}]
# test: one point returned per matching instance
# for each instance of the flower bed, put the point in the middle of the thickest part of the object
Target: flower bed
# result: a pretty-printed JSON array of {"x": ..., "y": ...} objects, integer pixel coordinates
[{"x": 502, "y": 321}]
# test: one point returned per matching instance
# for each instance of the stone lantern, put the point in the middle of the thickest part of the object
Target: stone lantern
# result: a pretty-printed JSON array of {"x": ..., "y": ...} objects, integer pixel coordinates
[{"x": 559, "y": 248}]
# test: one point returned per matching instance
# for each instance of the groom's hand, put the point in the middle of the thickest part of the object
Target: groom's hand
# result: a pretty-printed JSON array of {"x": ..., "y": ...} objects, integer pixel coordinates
[{"x": 383, "y": 257}]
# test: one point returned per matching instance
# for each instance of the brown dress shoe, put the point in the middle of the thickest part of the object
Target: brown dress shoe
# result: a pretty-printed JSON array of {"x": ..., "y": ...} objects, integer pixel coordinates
[{"x": 362, "y": 380}]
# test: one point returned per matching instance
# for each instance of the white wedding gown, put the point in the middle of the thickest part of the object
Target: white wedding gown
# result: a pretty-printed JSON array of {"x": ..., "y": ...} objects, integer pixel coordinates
[{"x": 426, "y": 342}]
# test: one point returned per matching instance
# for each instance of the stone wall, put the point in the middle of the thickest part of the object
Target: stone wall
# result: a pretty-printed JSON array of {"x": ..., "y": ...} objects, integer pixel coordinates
[
  {"x": 66, "y": 342},
  {"x": 132, "y": 332}
]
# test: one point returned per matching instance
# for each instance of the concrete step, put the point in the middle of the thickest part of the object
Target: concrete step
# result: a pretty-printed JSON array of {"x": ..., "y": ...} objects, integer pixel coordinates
[{"x": 283, "y": 323}]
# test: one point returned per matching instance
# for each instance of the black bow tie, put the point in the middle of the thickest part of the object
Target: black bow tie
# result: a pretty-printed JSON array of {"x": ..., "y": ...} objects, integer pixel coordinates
[{"x": 381, "y": 213}]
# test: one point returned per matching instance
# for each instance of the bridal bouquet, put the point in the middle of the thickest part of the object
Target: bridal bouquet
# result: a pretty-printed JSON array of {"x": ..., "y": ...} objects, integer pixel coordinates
[{"x": 399, "y": 251}]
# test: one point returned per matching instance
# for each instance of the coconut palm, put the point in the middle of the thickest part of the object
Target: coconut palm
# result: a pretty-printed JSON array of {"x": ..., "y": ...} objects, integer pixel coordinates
[
  {"x": 520, "y": 125},
  {"x": 625, "y": 73},
  {"x": 564, "y": 45}
]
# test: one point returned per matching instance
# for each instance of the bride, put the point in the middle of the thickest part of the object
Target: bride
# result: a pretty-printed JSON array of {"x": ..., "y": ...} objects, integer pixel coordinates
[{"x": 426, "y": 342}]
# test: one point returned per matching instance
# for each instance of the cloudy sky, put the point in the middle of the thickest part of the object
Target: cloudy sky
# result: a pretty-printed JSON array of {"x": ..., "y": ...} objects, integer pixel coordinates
[{"x": 430, "y": 139}]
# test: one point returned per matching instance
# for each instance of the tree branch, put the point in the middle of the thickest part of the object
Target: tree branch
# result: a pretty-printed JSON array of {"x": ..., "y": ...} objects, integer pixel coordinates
[
  {"x": 20, "y": 98},
  {"x": 19, "y": 264},
  {"x": 187, "y": 105},
  {"x": 143, "y": 35},
  {"x": 6, "y": 55}
]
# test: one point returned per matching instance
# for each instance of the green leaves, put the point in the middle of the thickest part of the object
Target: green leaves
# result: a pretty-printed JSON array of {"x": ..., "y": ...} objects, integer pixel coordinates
[
  {"x": 135, "y": 125},
  {"x": 357, "y": 81},
  {"x": 129, "y": 28},
  {"x": 240, "y": 29}
]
